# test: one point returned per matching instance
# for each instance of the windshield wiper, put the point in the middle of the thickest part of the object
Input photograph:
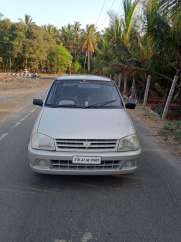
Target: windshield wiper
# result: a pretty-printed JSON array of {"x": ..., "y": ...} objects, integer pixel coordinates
[
  {"x": 98, "y": 105},
  {"x": 64, "y": 106}
]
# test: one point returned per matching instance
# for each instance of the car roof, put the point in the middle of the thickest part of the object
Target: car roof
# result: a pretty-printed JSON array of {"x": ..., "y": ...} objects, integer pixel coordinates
[{"x": 83, "y": 77}]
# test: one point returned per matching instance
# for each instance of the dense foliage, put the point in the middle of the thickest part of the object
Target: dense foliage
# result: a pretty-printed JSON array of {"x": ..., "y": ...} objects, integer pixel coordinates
[
  {"x": 172, "y": 129},
  {"x": 27, "y": 45},
  {"x": 146, "y": 39}
]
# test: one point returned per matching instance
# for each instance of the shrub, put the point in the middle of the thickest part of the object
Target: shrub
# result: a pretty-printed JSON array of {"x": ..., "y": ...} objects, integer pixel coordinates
[{"x": 172, "y": 129}]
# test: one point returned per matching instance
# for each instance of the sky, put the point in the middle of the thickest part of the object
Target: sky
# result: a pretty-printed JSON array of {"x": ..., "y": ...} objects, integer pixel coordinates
[{"x": 61, "y": 12}]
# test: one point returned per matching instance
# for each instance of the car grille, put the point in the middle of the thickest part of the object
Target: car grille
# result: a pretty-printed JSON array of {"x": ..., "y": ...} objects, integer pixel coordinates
[
  {"x": 86, "y": 144},
  {"x": 67, "y": 164}
]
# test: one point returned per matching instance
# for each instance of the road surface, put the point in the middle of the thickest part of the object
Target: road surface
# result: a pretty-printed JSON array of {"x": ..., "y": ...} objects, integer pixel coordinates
[{"x": 145, "y": 207}]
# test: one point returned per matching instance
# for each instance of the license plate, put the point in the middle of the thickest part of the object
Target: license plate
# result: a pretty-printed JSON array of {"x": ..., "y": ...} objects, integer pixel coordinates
[{"x": 86, "y": 160}]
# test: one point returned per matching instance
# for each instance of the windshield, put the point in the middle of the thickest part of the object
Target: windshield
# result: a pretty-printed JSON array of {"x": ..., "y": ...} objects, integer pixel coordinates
[{"x": 83, "y": 94}]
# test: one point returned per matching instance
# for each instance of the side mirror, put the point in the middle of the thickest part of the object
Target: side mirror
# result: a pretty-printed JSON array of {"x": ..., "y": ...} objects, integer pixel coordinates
[
  {"x": 38, "y": 102},
  {"x": 130, "y": 105}
]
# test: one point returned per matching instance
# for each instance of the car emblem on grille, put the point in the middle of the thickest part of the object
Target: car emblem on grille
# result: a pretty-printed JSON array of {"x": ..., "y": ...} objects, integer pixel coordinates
[{"x": 86, "y": 144}]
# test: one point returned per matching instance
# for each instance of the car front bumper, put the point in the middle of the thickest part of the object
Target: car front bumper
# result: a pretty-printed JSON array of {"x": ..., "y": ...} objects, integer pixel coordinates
[{"x": 60, "y": 163}]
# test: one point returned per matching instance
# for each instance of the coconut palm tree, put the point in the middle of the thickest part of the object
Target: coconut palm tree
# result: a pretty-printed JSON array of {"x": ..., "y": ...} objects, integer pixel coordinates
[
  {"x": 77, "y": 39},
  {"x": 89, "y": 44},
  {"x": 129, "y": 20},
  {"x": 51, "y": 29},
  {"x": 156, "y": 45},
  {"x": 27, "y": 20},
  {"x": 67, "y": 36},
  {"x": 70, "y": 36},
  {"x": 169, "y": 6}
]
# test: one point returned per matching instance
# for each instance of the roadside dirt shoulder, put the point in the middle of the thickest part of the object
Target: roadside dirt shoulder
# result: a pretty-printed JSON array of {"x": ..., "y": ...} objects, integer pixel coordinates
[
  {"x": 15, "y": 94},
  {"x": 154, "y": 124}
]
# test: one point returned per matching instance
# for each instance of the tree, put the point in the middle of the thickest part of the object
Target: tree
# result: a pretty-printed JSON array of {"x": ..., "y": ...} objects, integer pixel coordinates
[
  {"x": 59, "y": 59},
  {"x": 128, "y": 21},
  {"x": 76, "y": 67},
  {"x": 26, "y": 45},
  {"x": 90, "y": 44},
  {"x": 71, "y": 37},
  {"x": 27, "y": 20}
]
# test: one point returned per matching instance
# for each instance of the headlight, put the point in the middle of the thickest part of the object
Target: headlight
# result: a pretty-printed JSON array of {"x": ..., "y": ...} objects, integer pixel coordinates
[
  {"x": 129, "y": 143},
  {"x": 42, "y": 142}
]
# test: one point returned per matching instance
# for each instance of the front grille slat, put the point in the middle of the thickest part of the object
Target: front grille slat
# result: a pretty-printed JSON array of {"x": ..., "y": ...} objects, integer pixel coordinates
[
  {"x": 67, "y": 164},
  {"x": 86, "y": 144},
  {"x": 92, "y": 144},
  {"x": 91, "y": 140}
]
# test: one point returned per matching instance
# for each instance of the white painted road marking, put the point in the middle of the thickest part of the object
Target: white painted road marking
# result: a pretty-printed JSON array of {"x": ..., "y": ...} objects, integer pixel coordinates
[
  {"x": 24, "y": 118},
  {"x": 62, "y": 240},
  {"x": 17, "y": 124},
  {"x": 33, "y": 110},
  {"x": 3, "y": 136},
  {"x": 85, "y": 238}
]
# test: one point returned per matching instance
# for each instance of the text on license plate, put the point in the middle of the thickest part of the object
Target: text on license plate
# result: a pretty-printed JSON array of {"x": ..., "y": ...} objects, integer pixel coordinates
[{"x": 86, "y": 160}]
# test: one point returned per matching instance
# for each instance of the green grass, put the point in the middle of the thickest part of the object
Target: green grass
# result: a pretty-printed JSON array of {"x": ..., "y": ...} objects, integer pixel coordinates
[{"x": 172, "y": 129}]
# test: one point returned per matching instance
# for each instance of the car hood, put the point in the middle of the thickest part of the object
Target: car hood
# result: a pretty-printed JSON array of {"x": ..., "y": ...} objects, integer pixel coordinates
[{"x": 72, "y": 123}]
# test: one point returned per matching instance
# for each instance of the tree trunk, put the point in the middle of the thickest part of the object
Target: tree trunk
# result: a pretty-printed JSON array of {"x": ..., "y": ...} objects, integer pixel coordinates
[
  {"x": 133, "y": 91},
  {"x": 70, "y": 69},
  {"x": 125, "y": 85},
  {"x": 85, "y": 60},
  {"x": 10, "y": 64},
  {"x": 170, "y": 95},
  {"x": 115, "y": 78},
  {"x": 119, "y": 81},
  {"x": 26, "y": 63},
  {"x": 94, "y": 61},
  {"x": 147, "y": 90},
  {"x": 88, "y": 62}
]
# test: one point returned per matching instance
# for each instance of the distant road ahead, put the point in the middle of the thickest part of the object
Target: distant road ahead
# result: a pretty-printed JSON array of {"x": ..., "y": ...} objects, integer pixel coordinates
[{"x": 145, "y": 207}]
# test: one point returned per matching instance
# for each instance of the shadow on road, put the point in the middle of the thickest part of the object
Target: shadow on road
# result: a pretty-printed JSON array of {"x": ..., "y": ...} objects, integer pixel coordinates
[{"x": 84, "y": 182}]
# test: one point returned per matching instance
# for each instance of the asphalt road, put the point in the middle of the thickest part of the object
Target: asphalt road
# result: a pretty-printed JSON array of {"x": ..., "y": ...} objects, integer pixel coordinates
[{"x": 145, "y": 207}]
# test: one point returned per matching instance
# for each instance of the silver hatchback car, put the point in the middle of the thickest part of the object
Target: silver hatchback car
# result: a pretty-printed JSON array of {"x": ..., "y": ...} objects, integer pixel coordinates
[{"x": 83, "y": 129}]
